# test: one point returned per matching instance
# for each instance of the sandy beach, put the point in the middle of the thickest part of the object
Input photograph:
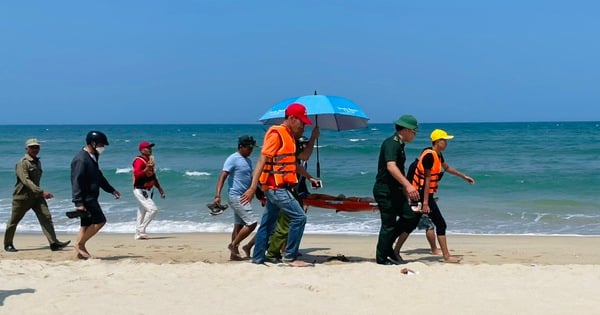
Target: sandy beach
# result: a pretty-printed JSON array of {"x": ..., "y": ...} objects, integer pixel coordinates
[{"x": 191, "y": 274}]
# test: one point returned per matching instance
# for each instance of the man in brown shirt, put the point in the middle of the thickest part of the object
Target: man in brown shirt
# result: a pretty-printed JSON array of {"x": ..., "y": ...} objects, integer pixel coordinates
[{"x": 28, "y": 195}]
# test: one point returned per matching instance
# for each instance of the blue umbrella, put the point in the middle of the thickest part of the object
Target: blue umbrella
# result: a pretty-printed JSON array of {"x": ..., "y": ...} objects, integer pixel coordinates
[{"x": 326, "y": 112}]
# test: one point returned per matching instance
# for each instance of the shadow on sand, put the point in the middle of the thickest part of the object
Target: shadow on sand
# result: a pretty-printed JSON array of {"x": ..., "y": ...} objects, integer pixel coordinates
[
  {"x": 417, "y": 255},
  {"x": 115, "y": 258},
  {"x": 6, "y": 293}
]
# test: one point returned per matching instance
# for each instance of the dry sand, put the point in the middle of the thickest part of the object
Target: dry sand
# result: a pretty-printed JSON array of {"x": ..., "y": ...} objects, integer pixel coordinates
[{"x": 191, "y": 274}]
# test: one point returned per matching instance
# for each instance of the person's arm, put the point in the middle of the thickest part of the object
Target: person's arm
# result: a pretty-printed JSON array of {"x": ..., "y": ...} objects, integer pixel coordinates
[
  {"x": 249, "y": 193},
  {"x": 272, "y": 142},
  {"x": 455, "y": 172},
  {"x": 151, "y": 164},
  {"x": 310, "y": 146},
  {"x": 77, "y": 182},
  {"x": 22, "y": 173},
  {"x": 427, "y": 175},
  {"x": 393, "y": 169},
  {"x": 390, "y": 154},
  {"x": 160, "y": 190},
  {"x": 302, "y": 171},
  {"x": 139, "y": 168},
  {"x": 220, "y": 183},
  {"x": 106, "y": 186},
  {"x": 427, "y": 162}
]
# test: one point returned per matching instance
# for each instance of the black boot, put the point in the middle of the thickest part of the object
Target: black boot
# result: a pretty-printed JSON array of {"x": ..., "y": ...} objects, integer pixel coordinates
[{"x": 58, "y": 245}]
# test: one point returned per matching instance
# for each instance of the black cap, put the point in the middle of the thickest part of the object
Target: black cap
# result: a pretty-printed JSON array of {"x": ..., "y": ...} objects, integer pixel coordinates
[{"x": 246, "y": 141}]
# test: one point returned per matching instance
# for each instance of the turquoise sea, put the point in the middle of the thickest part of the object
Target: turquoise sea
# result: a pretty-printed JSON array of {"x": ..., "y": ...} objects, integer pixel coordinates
[{"x": 537, "y": 178}]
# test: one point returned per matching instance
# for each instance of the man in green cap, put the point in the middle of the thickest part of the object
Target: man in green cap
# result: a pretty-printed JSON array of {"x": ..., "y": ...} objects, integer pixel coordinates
[
  {"x": 392, "y": 190},
  {"x": 28, "y": 195}
]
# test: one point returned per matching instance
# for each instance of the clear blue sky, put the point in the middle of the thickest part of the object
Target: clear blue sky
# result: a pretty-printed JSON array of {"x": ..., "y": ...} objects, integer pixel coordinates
[{"x": 74, "y": 62}]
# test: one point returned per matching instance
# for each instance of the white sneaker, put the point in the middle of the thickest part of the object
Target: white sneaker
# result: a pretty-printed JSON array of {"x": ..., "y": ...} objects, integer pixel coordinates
[{"x": 141, "y": 236}]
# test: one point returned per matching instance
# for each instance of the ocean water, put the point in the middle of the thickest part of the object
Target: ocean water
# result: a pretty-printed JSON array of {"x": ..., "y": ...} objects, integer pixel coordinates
[{"x": 537, "y": 178}]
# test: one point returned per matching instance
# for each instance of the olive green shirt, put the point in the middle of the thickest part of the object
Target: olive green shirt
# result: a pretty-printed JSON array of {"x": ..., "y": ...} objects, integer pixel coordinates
[{"x": 29, "y": 173}]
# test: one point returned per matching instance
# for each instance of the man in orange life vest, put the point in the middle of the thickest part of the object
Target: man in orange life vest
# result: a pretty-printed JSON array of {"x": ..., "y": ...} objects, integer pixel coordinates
[
  {"x": 276, "y": 171},
  {"x": 144, "y": 181},
  {"x": 430, "y": 169}
]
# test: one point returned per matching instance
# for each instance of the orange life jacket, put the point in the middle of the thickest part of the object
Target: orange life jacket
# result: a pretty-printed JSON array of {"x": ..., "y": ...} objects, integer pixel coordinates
[
  {"x": 282, "y": 167},
  {"x": 418, "y": 180}
]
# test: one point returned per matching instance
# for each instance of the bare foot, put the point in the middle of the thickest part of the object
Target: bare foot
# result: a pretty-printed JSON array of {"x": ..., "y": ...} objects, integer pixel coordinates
[
  {"x": 81, "y": 250},
  {"x": 78, "y": 256},
  {"x": 437, "y": 252},
  {"x": 452, "y": 259},
  {"x": 233, "y": 249},
  {"x": 246, "y": 248},
  {"x": 300, "y": 263}
]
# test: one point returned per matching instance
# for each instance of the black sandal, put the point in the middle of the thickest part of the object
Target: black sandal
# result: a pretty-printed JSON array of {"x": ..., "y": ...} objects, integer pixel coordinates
[
  {"x": 216, "y": 209},
  {"x": 339, "y": 257}
]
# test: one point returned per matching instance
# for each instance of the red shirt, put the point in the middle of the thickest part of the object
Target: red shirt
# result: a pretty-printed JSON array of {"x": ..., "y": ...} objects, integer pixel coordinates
[{"x": 141, "y": 178}]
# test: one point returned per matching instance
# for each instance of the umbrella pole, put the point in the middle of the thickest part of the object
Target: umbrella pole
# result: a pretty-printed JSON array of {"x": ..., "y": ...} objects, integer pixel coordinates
[{"x": 318, "y": 162}]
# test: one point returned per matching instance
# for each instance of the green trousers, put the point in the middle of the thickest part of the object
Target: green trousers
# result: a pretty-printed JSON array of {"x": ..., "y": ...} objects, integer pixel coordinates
[
  {"x": 280, "y": 235},
  {"x": 20, "y": 208}
]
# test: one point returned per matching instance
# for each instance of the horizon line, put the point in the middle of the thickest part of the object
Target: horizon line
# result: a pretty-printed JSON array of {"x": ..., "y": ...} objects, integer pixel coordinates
[{"x": 258, "y": 123}]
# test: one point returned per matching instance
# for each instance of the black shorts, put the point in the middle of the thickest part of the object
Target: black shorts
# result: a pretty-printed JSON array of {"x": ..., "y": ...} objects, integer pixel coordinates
[{"x": 96, "y": 214}]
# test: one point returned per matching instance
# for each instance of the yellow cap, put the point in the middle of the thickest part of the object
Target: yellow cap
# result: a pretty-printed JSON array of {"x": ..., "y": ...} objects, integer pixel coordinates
[
  {"x": 31, "y": 142},
  {"x": 440, "y": 134}
]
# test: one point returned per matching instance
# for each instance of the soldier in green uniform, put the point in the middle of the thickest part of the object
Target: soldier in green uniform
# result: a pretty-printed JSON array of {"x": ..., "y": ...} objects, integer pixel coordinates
[
  {"x": 28, "y": 195},
  {"x": 392, "y": 191}
]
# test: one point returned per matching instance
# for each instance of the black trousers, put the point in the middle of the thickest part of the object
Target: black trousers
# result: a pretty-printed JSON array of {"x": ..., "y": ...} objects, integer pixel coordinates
[{"x": 396, "y": 217}]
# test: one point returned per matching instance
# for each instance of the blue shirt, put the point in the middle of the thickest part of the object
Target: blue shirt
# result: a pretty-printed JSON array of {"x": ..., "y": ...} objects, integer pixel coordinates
[{"x": 240, "y": 173}]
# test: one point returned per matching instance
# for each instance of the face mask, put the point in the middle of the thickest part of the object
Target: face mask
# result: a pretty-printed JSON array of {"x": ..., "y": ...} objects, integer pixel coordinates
[{"x": 99, "y": 150}]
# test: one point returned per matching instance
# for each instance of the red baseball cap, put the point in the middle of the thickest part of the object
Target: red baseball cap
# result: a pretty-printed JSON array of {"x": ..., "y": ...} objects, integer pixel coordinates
[
  {"x": 299, "y": 111},
  {"x": 145, "y": 144}
]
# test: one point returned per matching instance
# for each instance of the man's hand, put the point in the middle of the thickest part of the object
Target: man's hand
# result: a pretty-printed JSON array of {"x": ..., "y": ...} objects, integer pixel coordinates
[
  {"x": 315, "y": 183},
  {"x": 469, "y": 179},
  {"x": 412, "y": 193},
  {"x": 117, "y": 194},
  {"x": 247, "y": 196},
  {"x": 47, "y": 195},
  {"x": 315, "y": 133}
]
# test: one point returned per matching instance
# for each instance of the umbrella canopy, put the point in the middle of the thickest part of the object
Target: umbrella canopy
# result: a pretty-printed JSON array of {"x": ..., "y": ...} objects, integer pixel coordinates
[{"x": 326, "y": 112}]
